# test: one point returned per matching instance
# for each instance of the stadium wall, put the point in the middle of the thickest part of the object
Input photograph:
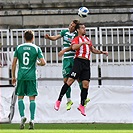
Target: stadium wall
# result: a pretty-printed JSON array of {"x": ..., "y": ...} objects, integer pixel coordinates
[{"x": 52, "y": 75}]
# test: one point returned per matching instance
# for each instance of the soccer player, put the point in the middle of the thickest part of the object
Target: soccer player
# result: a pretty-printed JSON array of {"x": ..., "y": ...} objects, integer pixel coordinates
[
  {"x": 27, "y": 55},
  {"x": 68, "y": 53},
  {"x": 81, "y": 67}
]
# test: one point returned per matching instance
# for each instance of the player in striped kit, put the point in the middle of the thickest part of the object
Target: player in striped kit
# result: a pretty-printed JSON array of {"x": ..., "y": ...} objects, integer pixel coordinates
[
  {"x": 81, "y": 67},
  {"x": 68, "y": 53}
]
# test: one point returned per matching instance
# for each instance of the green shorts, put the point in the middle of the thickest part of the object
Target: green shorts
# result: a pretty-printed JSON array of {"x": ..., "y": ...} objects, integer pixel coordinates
[
  {"x": 26, "y": 88},
  {"x": 67, "y": 66}
]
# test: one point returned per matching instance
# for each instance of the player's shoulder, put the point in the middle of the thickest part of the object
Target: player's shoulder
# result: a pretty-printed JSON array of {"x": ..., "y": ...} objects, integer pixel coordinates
[
  {"x": 75, "y": 40},
  {"x": 87, "y": 38},
  {"x": 20, "y": 45},
  {"x": 35, "y": 47},
  {"x": 31, "y": 45},
  {"x": 65, "y": 30},
  {"x": 77, "y": 37}
]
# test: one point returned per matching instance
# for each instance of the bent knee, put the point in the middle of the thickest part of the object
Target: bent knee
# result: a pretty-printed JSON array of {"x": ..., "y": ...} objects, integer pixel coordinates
[{"x": 85, "y": 84}]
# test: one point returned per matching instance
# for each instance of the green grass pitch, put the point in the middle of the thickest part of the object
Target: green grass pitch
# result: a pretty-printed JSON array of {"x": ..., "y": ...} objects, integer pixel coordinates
[{"x": 69, "y": 128}]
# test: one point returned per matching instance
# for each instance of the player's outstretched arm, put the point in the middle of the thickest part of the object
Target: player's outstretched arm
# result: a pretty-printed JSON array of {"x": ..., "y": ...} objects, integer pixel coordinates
[
  {"x": 53, "y": 38},
  {"x": 96, "y": 51}
]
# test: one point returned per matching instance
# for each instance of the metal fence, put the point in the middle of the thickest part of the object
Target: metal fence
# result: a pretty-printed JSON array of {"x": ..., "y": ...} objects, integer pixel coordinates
[
  {"x": 4, "y": 48},
  {"x": 118, "y": 41}
]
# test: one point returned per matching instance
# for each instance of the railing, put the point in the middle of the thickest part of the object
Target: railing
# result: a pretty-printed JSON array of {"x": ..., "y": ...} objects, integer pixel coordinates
[
  {"x": 118, "y": 41},
  {"x": 4, "y": 43},
  {"x": 49, "y": 48}
]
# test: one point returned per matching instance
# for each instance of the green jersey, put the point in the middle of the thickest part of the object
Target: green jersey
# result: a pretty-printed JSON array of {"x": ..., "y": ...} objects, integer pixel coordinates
[
  {"x": 67, "y": 38},
  {"x": 27, "y": 55}
]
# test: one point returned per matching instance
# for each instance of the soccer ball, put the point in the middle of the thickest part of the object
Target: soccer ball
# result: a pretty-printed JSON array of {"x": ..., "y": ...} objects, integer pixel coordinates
[{"x": 83, "y": 12}]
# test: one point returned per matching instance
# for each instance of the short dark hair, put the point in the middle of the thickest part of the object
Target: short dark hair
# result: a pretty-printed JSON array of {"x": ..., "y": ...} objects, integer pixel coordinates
[
  {"x": 76, "y": 21},
  {"x": 28, "y": 35},
  {"x": 78, "y": 26}
]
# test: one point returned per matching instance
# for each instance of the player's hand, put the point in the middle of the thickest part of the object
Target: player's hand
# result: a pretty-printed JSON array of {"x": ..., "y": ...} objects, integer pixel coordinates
[
  {"x": 38, "y": 63},
  {"x": 106, "y": 53},
  {"x": 46, "y": 36},
  {"x": 61, "y": 53},
  {"x": 14, "y": 81}
]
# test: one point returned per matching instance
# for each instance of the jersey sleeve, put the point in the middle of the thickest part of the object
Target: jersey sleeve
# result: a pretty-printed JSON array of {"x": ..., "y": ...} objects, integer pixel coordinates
[
  {"x": 75, "y": 41},
  {"x": 40, "y": 54},
  {"x": 16, "y": 53},
  {"x": 62, "y": 33}
]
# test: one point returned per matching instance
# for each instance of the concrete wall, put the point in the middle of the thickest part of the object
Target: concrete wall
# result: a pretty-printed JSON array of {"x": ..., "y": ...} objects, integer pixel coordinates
[
  {"x": 120, "y": 75},
  {"x": 55, "y": 13}
]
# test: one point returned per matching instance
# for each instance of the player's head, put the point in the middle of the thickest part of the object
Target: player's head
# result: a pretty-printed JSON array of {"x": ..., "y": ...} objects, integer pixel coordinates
[
  {"x": 73, "y": 24},
  {"x": 80, "y": 29},
  {"x": 29, "y": 36}
]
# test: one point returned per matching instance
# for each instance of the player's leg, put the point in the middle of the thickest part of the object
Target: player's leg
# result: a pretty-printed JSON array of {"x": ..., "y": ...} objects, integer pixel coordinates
[
  {"x": 74, "y": 74},
  {"x": 68, "y": 95},
  {"x": 32, "y": 93},
  {"x": 84, "y": 93},
  {"x": 62, "y": 92},
  {"x": 21, "y": 106},
  {"x": 85, "y": 78},
  {"x": 67, "y": 66},
  {"x": 81, "y": 87},
  {"x": 32, "y": 111}
]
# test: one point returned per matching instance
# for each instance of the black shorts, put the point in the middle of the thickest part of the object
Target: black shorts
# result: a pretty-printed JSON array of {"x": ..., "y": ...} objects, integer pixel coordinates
[{"x": 80, "y": 69}]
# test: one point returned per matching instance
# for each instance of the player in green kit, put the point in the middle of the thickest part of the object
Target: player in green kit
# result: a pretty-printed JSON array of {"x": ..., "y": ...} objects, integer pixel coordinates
[
  {"x": 68, "y": 53},
  {"x": 27, "y": 55}
]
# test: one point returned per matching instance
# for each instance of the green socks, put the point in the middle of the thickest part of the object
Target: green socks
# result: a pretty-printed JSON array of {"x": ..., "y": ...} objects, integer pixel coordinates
[
  {"x": 68, "y": 93},
  {"x": 32, "y": 109},
  {"x": 21, "y": 107}
]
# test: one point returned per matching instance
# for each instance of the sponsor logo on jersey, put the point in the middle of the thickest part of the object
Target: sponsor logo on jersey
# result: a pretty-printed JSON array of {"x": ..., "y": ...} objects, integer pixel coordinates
[{"x": 73, "y": 74}]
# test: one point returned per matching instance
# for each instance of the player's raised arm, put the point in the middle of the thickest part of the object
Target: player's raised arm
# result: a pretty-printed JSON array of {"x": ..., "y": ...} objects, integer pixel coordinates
[{"x": 53, "y": 38}]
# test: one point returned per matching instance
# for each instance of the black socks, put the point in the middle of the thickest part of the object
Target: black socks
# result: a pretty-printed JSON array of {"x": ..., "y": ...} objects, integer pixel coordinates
[
  {"x": 84, "y": 93},
  {"x": 63, "y": 91}
]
